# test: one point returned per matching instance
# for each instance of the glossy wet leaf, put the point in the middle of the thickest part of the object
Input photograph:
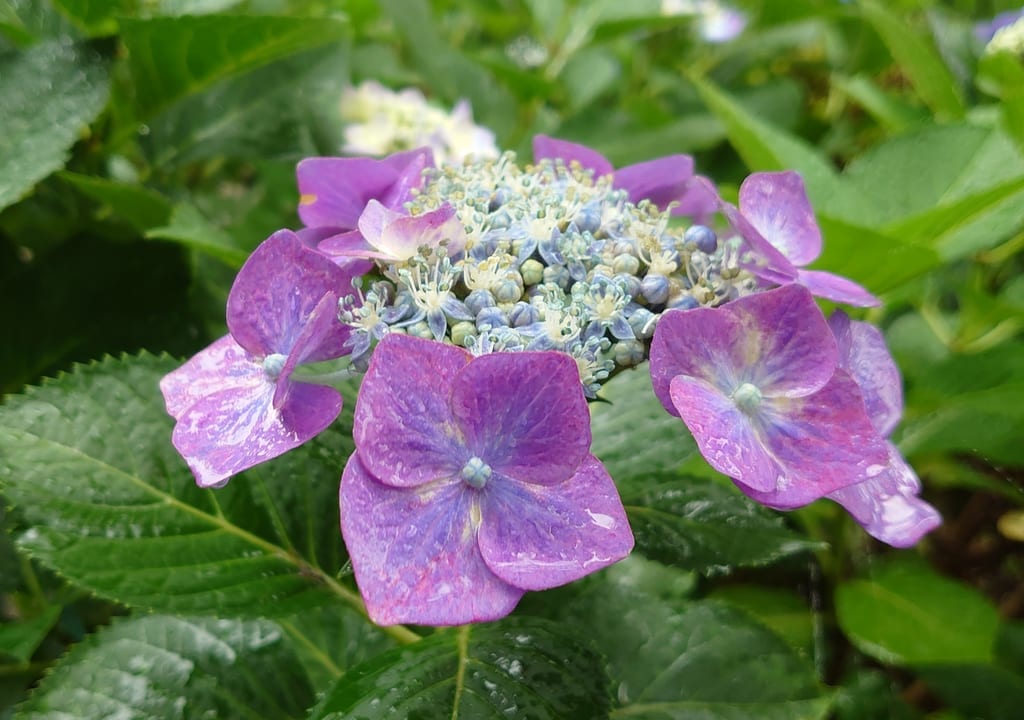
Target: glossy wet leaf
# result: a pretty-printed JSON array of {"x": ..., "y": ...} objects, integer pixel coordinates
[
  {"x": 51, "y": 92},
  {"x": 702, "y": 525},
  {"x": 160, "y": 667},
  {"x": 906, "y": 613},
  {"x": 171, "y": 57},
  {"x": 672, "y": 659},
  {"x": 520, "y": 667},
  {"x": 112, "y": 507}
]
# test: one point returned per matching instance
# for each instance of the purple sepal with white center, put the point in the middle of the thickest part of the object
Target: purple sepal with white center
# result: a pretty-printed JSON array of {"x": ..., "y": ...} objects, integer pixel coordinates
[{"x": 472, "y": 481}]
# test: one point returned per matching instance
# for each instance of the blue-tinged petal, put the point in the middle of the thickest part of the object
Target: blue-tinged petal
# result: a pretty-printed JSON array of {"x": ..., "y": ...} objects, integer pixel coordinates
[
  {"x": 414, "y": 552},
  {"x": 524, "y": 414},
  {"x": 403, "y": 428},
  {"x": 836, "y": 288},
  {"x": 662, "y": 180},
  {"x": 776, "y": 204},
  {"x": 863, "y": 354},
  {"x": 540, "y": 536},
  {"x": 549, "y": 147},
  {"x": 224, "y": 364},
  {"x": 320, "y": 331}
]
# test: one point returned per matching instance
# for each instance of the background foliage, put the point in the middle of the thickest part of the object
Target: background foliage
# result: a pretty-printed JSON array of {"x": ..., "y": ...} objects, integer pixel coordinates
[{"x": 146, "y": 146}]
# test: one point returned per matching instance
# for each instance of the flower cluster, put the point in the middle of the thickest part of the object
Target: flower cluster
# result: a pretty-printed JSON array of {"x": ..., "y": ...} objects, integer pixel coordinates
[
  {"x": 380, "y": 121},
  {"x": 485, "y": 302}
]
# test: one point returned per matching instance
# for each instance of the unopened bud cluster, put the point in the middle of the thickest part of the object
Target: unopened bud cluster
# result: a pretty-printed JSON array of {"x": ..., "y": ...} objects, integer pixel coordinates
[{"x": 554, "y": 259}]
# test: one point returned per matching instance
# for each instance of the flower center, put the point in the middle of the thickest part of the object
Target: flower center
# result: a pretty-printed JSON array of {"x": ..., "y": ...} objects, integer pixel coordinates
[
  {"x": 747, "y": 398},
  {"x": 273, "y": 364},
  {"x": 476, "y": 472}
]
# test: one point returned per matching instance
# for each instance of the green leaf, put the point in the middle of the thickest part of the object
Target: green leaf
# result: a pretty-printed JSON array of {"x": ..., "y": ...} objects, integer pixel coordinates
[
  {"x": 95, "y": 17},
  {"x": 188, "y": 227},
  {"x": 889, "y": 109},
  {"x": 138, "y": 206},
  {"x": 160, "y": 667},
  {"x": 919, "y": 60},
  {"x": 171, "y": 57},
  {"x": 108, "y": 503},
  {"x": 20, "y": 639},
  {"x": 701, "y": 525},
  {"x": 589, "y": 74},
  {"x": 669, "y": 658},
  {"x": 51, "y": 92},
  {"x": 633, "y": 435},
  {"x": 906, "y": 614},
  {"x": 977, "y": 691},
  {"x": 785, "y": 613},
  {"x": 520, "y": 667}
]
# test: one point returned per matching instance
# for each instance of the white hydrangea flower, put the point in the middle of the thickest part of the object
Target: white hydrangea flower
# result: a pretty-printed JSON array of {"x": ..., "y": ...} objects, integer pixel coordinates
[
  {"x": 715, "y": 22},
  {"x": 381, "y": 121}
]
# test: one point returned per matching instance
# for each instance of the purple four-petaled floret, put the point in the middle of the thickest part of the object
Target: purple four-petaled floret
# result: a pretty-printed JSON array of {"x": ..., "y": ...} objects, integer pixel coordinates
[
  {"x": 236, "y": 403},
  {"x": 472, "y": 482}
]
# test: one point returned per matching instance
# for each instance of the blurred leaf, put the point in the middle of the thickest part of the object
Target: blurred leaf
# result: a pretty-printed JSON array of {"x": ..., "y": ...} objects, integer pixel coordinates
[
  {"x": 19, "y": 639},
  {"x": 589, "y": 74},
  {"x": 633, "y": 435},
  {"x": 96, "y": 17},
  {"x": 140, "y": 207},
  {"x": 112, "y": 507},
  {"x": 171, "y": 57},
  {"x": 672, "y": 659},
  {"x": 270, "y": 112},
  {"x": 871, "y": 695},
  {"x": 188, "y": 227},
  {"x": 890, "y": 110},
  {"x": 51, "y": 92},
  {"x": 519, "y": 667},
  {"x": 919, "y": 60},
  {"x": 171, "y": 667},
  {"x": 977, "y": 691},
  {"x": 786, "y": 614},
  {"x": 906, "y": 614},
  {"x": 698, "y": 524}
]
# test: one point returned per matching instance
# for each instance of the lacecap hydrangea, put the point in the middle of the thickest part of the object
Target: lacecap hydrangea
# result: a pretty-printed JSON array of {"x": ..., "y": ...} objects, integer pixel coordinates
[{"x": 484, "y": 303}]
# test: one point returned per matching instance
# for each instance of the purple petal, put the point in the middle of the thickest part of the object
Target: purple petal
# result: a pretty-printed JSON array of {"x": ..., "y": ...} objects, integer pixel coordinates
[
  {"x": 334, "y": 190},
  {"x": 234, "y": 429},
  {"x": 414, "y": 552},
  {"x": 822, "y": 442},
  {"x": 725, "y": 436},
  {"x": 864, "y": 354},
  {"x": 699, "y": 201},
  {"x": 887, "y": 505},
  {"x": 222, "y": 365},
  {"x": 397, "y": 237},
  {"x": 323, "y": 336},
  {"x": 778, "y": 340},
  {"x": 836, "y": 288},
  {"x": 524, "y": 414},
  {"x": 761, "y": 257},
  {"x": 549, "y": 147},
  {"x": 662, "y": 181},
  {"x": 776, "y": 204},
  {"x": 404, "y": 428},
  {"x": 537, "y": 537},
  {"x": 275, "y": 292}
]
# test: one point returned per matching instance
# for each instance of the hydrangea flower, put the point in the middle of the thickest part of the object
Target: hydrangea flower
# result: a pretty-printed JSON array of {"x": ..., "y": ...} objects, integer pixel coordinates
[
  {"x": 381, "y": 121},
  {"x": 887, "y": 505},
  {"x": 776, "y": 218},
  {"x": 662, "y": 181},
  {"x": 716, "y": 23},
  {"x": 394, "y": 237},
  {"x": 1003, "y": 33},
  {"x": 236, "y": 403},
  {"x": 757, "y": 382},
  {"x": 472, "y": 482}
]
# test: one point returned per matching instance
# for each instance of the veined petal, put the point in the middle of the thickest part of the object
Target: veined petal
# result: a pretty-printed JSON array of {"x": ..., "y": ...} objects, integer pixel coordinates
[
  {"x": 234, "y": 429},
  {"x": 776, "y": 204},
  {"x": 524, "y": 414},
  {"x": 322, "y": 337},
  {"x": 887, "y": 505},
  {"x": 836, "y": 288},
  {"x": 404, "y": 428},
  {"x": 549, "y": 147},
  {"x": 763, "y": 259},
  {"x": 275, "y": 292},
  {"x": 725, "y": 436},
  {"x": 537, "y": 537},
  {"x": 224, "y": 364},
  {"x": 415, "y": 553},
  {"x": 863, "y": 354},
  {"x": 397, "y": 237},
  {"x": 822, "y": 442},
  {"x": 662, "y": 181}
]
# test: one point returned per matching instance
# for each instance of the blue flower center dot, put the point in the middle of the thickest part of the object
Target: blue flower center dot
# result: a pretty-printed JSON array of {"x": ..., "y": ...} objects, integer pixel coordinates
[
  {"x": 273, "y": 364},
  {"x": 747, "y": 398},
  {"x": 476, "y": 472}
]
